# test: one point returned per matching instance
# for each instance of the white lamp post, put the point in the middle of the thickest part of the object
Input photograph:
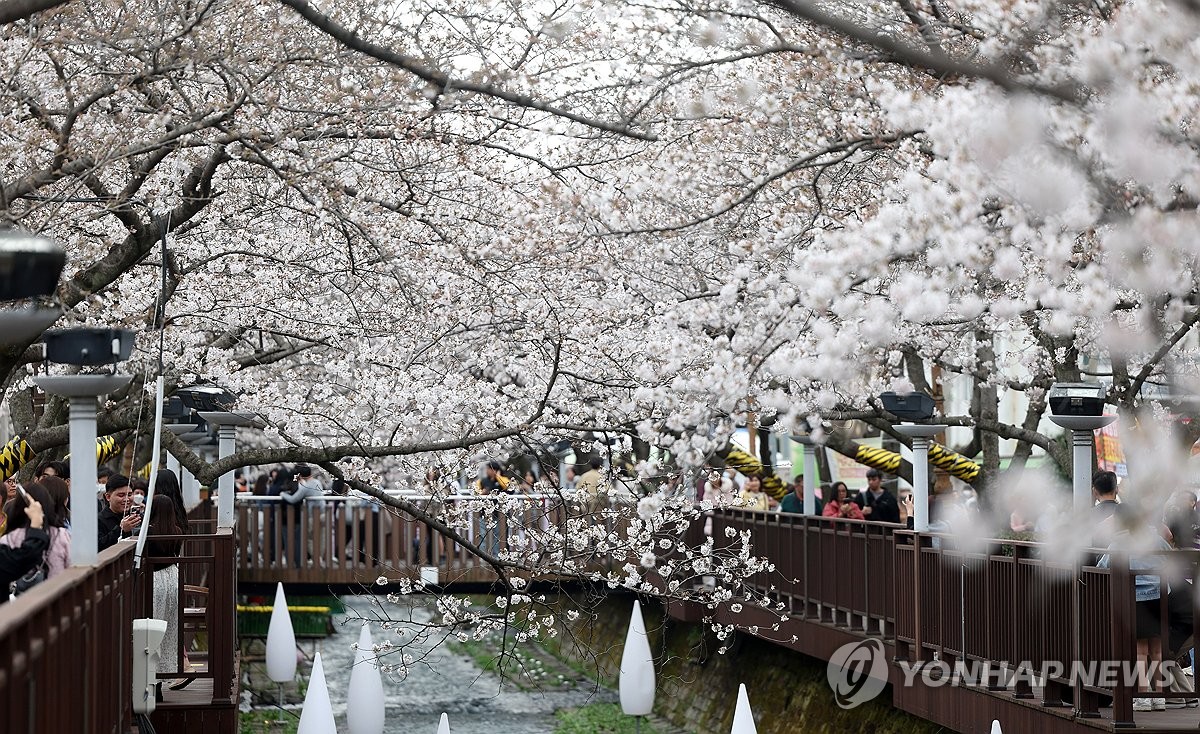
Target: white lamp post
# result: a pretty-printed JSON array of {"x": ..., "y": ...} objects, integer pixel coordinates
[
  {"x": 188, "y": 484},
  {"x": 82, "y": 391},
  {"x": 637, "y": 669},
  {"x": 916, "y": 407},
  {"x": 228, "y": 424},
  {"x": 810, "y": 474},
  {"x": 179, "y": 429},
  {"x": 281, "y": 645},
  {"x": 1078, "y": 408},
  {"x": 920, "y": 436}
]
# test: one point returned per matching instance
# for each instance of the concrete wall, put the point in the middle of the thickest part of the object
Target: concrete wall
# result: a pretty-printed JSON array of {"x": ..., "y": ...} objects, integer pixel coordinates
[{"x": 697, "y": 687}]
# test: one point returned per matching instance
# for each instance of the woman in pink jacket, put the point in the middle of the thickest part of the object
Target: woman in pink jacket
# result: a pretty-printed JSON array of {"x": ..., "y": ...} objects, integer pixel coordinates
[
  {"x": 841, "y": 505},
  {"x": 58, "y": 556}
]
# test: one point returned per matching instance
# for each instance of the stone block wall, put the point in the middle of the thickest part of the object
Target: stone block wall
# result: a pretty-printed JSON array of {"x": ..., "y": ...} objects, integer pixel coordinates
[{"x": 697, "y": 687}]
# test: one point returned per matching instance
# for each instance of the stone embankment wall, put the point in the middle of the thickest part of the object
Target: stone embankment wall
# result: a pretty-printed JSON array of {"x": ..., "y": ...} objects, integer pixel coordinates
[{"x": 697, "y": 687}]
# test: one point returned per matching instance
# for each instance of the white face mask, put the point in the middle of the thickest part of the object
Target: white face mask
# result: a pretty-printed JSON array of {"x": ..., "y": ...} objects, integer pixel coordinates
[
  {"x": 139, "y": 499},
  {"x": 100, "y": 488}
]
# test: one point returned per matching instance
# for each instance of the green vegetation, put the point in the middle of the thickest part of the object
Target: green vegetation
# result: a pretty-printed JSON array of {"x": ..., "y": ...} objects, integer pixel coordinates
[
  {"x": 599, "y": 718},
  {"x": 260, "y": 721},
  {"x": 529, "y": 669}
]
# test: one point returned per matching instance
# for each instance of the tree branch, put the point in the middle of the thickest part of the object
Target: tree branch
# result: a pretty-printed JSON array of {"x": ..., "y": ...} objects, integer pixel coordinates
[{"x": 440, "y": 79}]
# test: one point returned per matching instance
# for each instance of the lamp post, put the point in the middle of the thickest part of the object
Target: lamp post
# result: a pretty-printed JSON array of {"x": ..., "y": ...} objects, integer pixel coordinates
[
  {"x": 179, "y": 429},
  {"x": 810, "y": 473},
  {"x": 84, "y": 347},
  {"x": 227, "y": 424},
  {"x": 1079, "y": 407},
  {"x": 914, "y": 407},
  {"x": 189, "y": 485}
]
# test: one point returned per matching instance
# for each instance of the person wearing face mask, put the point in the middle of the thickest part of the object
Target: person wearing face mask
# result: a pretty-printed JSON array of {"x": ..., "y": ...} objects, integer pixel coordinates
[
  {"x": 139, "y": 487},
  {"x": 102, "y": 475}
]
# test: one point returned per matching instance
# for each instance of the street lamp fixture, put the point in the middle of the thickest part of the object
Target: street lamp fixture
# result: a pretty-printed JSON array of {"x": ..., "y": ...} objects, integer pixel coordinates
[
  {"x": 82, "y": 348},
  {"x": 916, "y": 406},
  {"x": 30, "y": 265},
  {"x": 912, "y": 407},
  {"x": 206, "y": 398},
  {"x": 85, "y": 347},
  {"x": 1079, "y": 407},
  {"x": 29, "y": 268}
]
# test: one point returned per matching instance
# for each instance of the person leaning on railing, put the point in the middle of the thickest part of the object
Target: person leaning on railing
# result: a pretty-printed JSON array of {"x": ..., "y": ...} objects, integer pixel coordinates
[
  {"x": 1135, "y": 538},
  {"x": 16, "y": 562}
]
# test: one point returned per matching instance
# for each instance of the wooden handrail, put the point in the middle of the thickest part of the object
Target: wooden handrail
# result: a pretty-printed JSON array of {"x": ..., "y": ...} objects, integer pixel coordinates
[{"x": 68, "y": 645}]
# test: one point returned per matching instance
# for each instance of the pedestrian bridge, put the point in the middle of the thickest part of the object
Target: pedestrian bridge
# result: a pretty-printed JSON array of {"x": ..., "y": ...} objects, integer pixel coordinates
[
  {"x": 840, "y": 582},
  {"x": 349, "y": 543},
  {"x": 913, "y": 597}
]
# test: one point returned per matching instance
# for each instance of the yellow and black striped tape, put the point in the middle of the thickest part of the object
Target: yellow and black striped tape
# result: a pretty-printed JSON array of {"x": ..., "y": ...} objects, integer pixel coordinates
[
  {"x": 750, "y": 466},
  {"x": 15, "y": 454},
  {"x": 106, "y": 448},
  {"x": 881, "y": 459},
  {"x": 956, "y": 464},
  {"x": 941, "y": 457}
]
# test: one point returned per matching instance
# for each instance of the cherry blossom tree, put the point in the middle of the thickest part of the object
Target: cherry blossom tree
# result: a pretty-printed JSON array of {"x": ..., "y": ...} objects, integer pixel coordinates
[{"x": 423, "y": 233}]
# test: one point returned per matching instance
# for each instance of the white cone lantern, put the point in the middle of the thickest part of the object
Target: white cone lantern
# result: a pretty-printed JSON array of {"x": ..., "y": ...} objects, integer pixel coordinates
[
  {"x": 637, "y": 668},
  {"x": 444, "y": 724},
  {"x": 364, "y": 699},
  {"x": 996, "y": 727},
  {"x": 281, "y": 641},
  {"x": 317, "y": 716},
  {"x": 743, "y": 717}
]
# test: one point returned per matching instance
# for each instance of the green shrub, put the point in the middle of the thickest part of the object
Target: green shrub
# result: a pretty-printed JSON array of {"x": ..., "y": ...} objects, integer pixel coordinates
[{"x": 599, "y": 718}]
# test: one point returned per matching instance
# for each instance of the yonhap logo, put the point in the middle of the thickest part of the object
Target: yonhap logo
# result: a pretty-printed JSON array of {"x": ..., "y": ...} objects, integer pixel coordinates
[{"x": 857, "y": 672}]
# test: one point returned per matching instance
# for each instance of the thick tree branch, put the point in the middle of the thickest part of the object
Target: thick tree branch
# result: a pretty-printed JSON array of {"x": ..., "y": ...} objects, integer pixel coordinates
[{"x": 443, "y": 81}]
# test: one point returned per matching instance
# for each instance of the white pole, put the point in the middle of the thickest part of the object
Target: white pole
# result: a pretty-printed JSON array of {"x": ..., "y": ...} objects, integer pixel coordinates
[
  {"x": 84, "y": 530},
  {"x": 173, "y": 465},
  {"x": 154, "y": 455},
  {"x": 226, "y": 435},
  {"x": 920, "y": 473},
  {"x": 810, "y": 479},
  {"x": 1081, "y": 447},
  {"x": 190, "y": 487}
]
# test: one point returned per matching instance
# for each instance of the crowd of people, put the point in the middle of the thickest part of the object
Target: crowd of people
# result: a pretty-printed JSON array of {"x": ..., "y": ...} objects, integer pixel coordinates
[{"x": 875, "y": 502}]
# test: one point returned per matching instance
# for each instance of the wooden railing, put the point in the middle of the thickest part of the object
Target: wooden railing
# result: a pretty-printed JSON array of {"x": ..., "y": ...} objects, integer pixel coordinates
[
  {"x": 1003, "y": 603},
  {"x": 67, "y": 650},
  {"x": 66, "y": 645},
  {"x": 345, "y": 541},
  {"x": 206, "y": 609}
]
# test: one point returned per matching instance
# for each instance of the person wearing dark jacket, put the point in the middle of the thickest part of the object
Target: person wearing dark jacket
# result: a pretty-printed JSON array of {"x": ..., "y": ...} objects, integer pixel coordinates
[
  {"x": 16, "y": 562},
  {"x": 113, "y": 522},
  {"x": 878, "y": 504}
]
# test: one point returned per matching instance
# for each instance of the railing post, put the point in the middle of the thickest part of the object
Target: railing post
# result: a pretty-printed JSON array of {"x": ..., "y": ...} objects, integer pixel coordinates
[
  {"x": 223, "y": 619},
  {"x": 1123, "y": 642}
]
